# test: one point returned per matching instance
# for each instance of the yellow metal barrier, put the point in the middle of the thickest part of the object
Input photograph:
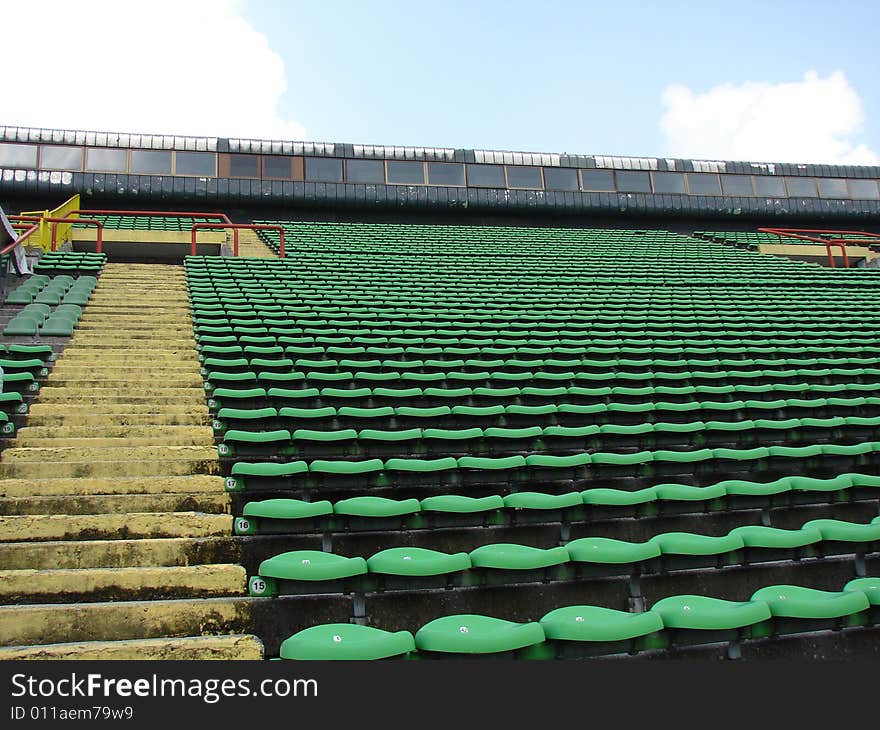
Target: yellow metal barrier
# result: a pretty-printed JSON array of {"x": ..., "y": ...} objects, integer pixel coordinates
[{"x": 43, "y": 237}]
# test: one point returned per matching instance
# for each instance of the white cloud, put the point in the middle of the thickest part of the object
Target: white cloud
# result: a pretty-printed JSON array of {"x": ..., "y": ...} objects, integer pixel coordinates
[
  {"x": 192, "y": 67},
  {"x": 810, "y": 121}
]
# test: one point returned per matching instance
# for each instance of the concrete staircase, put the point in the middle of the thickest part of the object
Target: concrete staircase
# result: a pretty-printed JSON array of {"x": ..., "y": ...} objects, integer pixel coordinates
[
  {"x": 252, "y": 246},
  {"x": 115, "y": 532}
]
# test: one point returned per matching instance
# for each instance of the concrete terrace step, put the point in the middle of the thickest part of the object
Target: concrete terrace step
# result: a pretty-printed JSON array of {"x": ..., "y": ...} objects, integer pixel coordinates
[
  {"x": 51, "y": 416},
  {"x": 221, "y": 648},
  {"x": 110, "y": 468},
  {"x": 112, "y": 434},
  {"x": 74, "y": 554},
  {"x": 116, "y": 504},
  {"x": 100, "y": 378},
  {"x": 84, "y": 442},
  {"x": 27, "y": 528},
  {"x": 121, "y": 620},
  {"x": 115, "y": 484},
  {"x": 134, "y": 340},
  {"x": 108, "y": 584},
  {"x": 110, "y": 401},
  {"x": 64, "y": 454},
  {"x": 115, "y": 533}
]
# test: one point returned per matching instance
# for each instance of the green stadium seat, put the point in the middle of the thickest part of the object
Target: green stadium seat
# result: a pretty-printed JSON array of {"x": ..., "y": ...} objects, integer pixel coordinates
[
  {"x": 346, "y": 642},
  {"x": 470, "y": 634}
]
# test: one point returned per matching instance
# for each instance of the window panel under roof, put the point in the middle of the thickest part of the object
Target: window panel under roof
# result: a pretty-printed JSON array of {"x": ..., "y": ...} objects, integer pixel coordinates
[
  {"x": 669, "y": 182},
  {"x": 523, "y": 176},
  {"x": 597, "y": 180},
  {"x": 485, "y": 176},
  {"x": 632, "y": 181}
]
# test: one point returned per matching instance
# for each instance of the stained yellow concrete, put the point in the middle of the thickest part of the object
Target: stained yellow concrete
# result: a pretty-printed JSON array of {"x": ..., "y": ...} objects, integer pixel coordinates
[
  {"x": 163, "y": 484},
  {"x": 214, "y": 502},
  {"x": 252, "y": 246},
  {"x": 113, "y": 491},
  {"x": 18, "y": 528},
  {"x": 221, "y": 648},
  {"x": 115, "y": 553},
  {"x": 120, "y": 621},
  {"x": 192, "y": 581}
]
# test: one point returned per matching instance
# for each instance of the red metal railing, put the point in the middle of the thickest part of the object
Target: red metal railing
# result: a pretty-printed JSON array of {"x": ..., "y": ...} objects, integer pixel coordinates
[
  {"x": 30, "y": 231},
  {"x": 236, "y": 227},
  {"x": 844, "y": 238},
  {"x": 99, "y": 247},
  {"x": 165, "y": 214}
]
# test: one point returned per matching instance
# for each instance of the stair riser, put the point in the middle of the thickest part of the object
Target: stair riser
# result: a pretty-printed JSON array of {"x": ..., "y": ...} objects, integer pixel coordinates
[
  {"x": 199, "y": 484},
  {"x": 121, "y": 504},
  {"x": 177, "y": 551},
  {"x": 171, "y": 467},
  {"x": 113, "y": 584},
  {"x": 25, "y": 625},
  {"x": 28, "y": 528},
  {"x": 219, "y": 648},
  {"x": 63, "y": 455}
]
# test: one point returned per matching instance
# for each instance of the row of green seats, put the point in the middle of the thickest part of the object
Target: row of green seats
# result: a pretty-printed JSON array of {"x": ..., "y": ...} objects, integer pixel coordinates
[
  {"x": 556, "y": 414},
  {"x": 73, "y": 262},
  {"x": 148, "y": 222},
  {"x": 494, "y": 440},
  {"x": 312, "y": 571},
  {"x": 594, "y": 299},
  {"x": 667, "y": 338},
  {"x": 534, "y": 467},
  {"x": 612, "y": 368},
  {"x": 40, "y": 319},
  {"x": 527, "y": 395},
  {"x": 282, "y": 515},
  {"x": 261, "y": 363},
  {"x": 570, "y": 630},
  {"x": 410, "y": 324},
  {"x": 797, "y": 347}
]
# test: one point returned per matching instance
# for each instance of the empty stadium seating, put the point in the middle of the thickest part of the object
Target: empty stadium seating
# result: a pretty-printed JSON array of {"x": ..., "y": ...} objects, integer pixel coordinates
[{"x": 505, "y": 430}]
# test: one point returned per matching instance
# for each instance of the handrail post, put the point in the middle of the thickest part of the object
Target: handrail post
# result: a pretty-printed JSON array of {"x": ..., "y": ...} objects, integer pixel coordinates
[{"x": 281, "y": 242}]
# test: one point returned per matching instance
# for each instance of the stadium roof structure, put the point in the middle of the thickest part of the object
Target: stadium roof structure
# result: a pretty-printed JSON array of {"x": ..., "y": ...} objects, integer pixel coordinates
[
  {"x": 246, "y": 172},
  {"x": 346, "y": 419}
]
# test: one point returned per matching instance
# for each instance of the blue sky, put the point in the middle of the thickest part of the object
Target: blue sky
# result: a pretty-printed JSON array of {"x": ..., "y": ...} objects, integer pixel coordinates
[
  {"x": 556, "y": 76},
  {"x": 775, "y": 81}
]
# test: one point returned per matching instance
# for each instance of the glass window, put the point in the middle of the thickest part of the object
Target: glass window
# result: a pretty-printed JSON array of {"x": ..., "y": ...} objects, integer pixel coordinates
[
  {"x": 445, "y": 173},
  {"x": 244, "y": 166},
  {"x": 560, "y": 178},
  {"x": 736, "y": 184},
  {"x": 485, "y": 176},
  {"x": 327, "y": 169},
  {"x": 276, "y": 166},
  {"x": 519, "y": 176},
  {"x": 769, "y": 186},
  {"x": 57, "y": 157},
  {"x": 406, "y": 173},
  {"x": 864, "y": 189},
  {"x": 202, "y": 164},
  {"x": 631, "y": 181},
  {"x": 668, "y": 182},
  {"x": 801, "y": 187},
  {"x": 106, "y": 160},
  {"x": 597, "y": 180},
  {"x": 151, "y": 162},
  {"x": 365, "y": 171},
  {"x": 18, "y": 155},
  {"x": 703, "y": 183},
  {"x": 832, "y": 187}
]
